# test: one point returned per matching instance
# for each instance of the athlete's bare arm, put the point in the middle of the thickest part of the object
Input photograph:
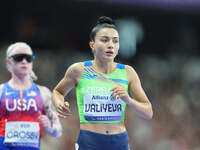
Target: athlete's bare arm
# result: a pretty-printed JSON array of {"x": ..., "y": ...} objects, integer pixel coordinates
[
  {"x": 50, "y": 120},
  {"x": 69, "y": 81},
  {"x": 138, "y": 99},
  {"x": 140, "y": 103}
]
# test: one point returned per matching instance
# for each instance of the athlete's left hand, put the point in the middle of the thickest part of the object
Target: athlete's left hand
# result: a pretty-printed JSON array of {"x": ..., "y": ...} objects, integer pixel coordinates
[
  {"x": 44, "y": 120},
  {"x": 120, "y": 92}
]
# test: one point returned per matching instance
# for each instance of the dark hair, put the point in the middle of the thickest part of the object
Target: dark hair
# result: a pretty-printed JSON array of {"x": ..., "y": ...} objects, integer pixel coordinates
[{"x": 102, "y": 22}]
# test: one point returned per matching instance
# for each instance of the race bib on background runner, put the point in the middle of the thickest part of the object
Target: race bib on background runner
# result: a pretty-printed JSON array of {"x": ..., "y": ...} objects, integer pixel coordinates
[
  {"x": 100, "y": 107},
  {"x": 21, "y": 133}
]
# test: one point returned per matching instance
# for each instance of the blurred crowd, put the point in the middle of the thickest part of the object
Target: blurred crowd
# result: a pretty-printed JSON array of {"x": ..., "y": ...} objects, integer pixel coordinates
[{"x": 172, "y": 84}]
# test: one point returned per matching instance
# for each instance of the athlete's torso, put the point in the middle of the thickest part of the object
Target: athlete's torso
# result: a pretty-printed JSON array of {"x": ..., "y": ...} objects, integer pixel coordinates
[
  {"x": 16, "y": 108},
  {"x": 94, "y": 99}
]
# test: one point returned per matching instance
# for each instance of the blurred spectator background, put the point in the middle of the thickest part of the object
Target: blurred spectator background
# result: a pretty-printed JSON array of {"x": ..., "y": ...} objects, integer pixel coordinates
[{"x": 159, "y": 38}]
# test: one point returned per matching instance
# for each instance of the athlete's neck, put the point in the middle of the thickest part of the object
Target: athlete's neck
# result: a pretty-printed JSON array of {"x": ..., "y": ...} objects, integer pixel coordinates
[
  {"x": 104, "y": 67},
  {"x": 22, "y": 83}
]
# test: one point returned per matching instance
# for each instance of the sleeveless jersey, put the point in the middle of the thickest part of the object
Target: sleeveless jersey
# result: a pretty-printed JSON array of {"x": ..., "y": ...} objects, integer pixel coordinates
[
  {"x": 94, "y": 98},
  {"x": 13, "y": 108}
]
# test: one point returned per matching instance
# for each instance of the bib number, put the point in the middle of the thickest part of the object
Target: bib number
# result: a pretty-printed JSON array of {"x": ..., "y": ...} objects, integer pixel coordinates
[
  {"x": 102, "y": 108},
  {"x": 22, "y": 133}
]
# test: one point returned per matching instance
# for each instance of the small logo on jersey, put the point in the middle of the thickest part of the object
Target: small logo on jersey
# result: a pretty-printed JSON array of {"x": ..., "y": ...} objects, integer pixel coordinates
[
  {"x": 32, "y": 93},
  {"x": 9, "y": 93}
]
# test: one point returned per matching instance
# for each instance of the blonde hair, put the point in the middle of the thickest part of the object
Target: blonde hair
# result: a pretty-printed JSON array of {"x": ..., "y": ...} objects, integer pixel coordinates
[{"x": 10, "y": 51}]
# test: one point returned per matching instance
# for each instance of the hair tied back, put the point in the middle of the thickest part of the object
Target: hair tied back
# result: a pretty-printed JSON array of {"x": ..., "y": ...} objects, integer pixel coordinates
[{"x": 104, "y": 19}]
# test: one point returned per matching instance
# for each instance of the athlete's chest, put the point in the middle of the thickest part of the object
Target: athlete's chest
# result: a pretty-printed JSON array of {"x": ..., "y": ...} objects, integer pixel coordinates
[{"x": 27, "y": 100}]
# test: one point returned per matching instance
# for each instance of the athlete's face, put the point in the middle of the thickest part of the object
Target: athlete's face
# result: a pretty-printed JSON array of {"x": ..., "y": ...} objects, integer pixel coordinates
[
  {"x": 106, "y": 44},
  {"x": 20, "y": 61}
]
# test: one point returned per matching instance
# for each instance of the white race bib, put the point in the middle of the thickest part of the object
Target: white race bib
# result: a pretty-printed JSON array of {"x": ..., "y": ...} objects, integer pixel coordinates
[
  {"x": 22, "y": 133},
  {"x": 102, "y": 107}
]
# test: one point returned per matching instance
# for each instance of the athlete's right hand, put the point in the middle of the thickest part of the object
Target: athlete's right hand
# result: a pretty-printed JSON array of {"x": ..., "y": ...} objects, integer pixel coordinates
[{"x": 63, "y": 110}]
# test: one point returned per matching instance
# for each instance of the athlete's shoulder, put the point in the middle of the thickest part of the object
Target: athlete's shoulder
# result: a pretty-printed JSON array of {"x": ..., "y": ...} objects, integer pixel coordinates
[
  {"x": 131, "y": 73},
  {"x": 76, "y": 66},
  {"x": 45, "y": 93},
  {"x": 120, "y": 65},
  {"x": 1, "y": 87},
  {"x": 129, "y": 68},
  {"x": 75, "y": 69},
  {"x": 43, "y": 89}
]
